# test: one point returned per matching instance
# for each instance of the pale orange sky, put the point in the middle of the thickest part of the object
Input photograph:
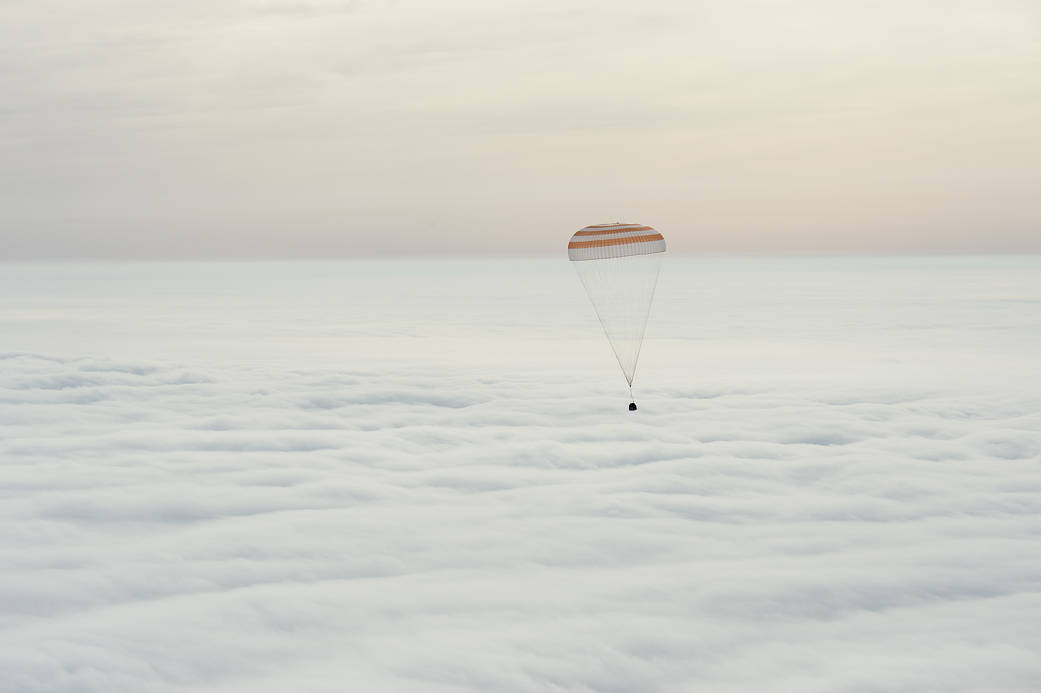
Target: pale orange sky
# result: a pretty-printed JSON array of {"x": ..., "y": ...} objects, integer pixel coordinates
[{"x": 299, "y": 128}]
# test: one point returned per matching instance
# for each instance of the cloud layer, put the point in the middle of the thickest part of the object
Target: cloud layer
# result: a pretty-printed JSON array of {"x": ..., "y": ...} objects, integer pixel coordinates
[{"x": 248, "y": 524}]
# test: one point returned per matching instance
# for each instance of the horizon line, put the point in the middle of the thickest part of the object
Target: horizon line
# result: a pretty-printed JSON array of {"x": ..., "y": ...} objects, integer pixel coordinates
[{"x": 506, "y": 256}]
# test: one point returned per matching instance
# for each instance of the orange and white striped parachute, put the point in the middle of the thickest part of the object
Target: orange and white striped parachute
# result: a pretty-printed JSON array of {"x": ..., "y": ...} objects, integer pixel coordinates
[{"x": 618, "y": 265}]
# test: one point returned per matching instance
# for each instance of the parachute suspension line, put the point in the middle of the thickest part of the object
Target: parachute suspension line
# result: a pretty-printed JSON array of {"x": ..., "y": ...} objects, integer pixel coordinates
[{"x": 621, "y": 290}]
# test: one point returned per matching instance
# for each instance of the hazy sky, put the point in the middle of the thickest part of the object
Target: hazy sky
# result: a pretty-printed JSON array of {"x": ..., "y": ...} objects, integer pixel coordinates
[{"x": 293, "y": 128}]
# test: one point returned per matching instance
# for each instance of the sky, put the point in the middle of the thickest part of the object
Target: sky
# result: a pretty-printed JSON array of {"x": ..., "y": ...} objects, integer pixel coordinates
[
  {"x": 239, "y": 477},
  {"x": 341, "y": 128}
]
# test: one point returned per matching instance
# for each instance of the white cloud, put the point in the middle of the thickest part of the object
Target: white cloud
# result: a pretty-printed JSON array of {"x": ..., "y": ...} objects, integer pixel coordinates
[
  {"x": 225, "y": 532},
  {"x": 792, "y": 509}
]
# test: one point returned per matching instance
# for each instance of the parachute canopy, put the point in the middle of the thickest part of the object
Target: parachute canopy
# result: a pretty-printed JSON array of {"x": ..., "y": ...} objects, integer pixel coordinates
[
  {"x": 604, "y": 241},
  {"x": 618, "y": 265}
]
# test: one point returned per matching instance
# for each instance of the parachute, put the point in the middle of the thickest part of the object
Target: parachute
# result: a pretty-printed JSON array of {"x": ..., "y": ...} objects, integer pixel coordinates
[{"x": 618, "y": 265}]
